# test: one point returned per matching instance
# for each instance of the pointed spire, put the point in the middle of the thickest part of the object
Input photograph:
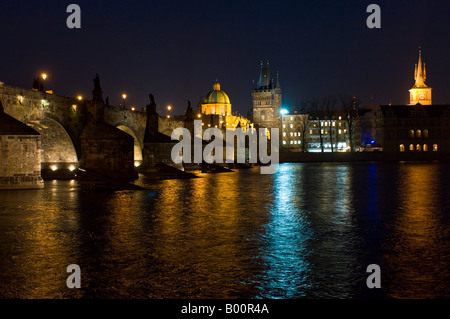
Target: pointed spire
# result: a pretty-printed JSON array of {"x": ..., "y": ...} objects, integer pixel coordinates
[
  {"x": 264, "y": 77},
  {"x": 420, "y": 72}
]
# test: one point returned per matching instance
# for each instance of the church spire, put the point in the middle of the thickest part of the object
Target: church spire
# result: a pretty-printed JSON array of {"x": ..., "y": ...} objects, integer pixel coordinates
[
  {"x": 264, "y": 77},
  {"x": 420, "y": 92},
  {"x": 420, "y": 74}
]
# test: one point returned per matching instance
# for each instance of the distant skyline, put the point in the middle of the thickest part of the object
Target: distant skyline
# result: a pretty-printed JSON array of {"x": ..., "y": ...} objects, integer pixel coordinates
[{"x": 176, "y": 50}]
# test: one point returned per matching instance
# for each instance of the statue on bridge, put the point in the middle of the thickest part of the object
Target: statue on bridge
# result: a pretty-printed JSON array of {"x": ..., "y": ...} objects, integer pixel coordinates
[{"x": 97, "y": 92}]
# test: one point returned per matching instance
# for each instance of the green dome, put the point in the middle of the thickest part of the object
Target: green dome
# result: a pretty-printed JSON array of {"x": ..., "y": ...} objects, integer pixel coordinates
[{"x": 216, "y": 96}]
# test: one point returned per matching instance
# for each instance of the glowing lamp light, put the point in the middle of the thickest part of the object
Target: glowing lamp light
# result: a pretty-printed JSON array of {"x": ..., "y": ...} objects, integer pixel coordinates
[
  {"x": 372, "y": 142},
  {"x": 79, "y": 97},
  {"x": 71, "y": 168},
  {"x": 44, "y": 76},
  {"x": 136, "y": 164},
  {"x": 133, "y": 108},
  {"x": 54, "y": 167},
  {"x": 169, "y": 107},
  {"x": 199, "y": 115},
  {"x": 284, "y": 111},
  {"x": 124, "y": 96}
]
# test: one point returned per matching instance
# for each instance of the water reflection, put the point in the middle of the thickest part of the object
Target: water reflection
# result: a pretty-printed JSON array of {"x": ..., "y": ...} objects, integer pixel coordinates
[
  {"x": 308, "y": 231},
  {"x": 285, "y": 239},
  {"x": 417, "y": 247}
]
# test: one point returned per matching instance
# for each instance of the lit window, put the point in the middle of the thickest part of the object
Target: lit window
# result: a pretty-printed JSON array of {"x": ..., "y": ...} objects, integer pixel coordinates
[
  {"x": 290, "y": 142},
  {"x": 340, "y": 131},
  {"x": 411, "y": 133},
  {"x": 284, "y": 142},
  {"x": 292, "y": 125},
  {"x": 321, "y": 131},
  {"x": 292, "y": 118},
  {"x": 284, "y": 134},
  {"x": 402, "y": 148},
  {"x": 418, "y": 134},
  {"x": 435, "y": 148},
  {"x": 334, "y": 123},
  {"x": 340, "y": 123},
  {"x": 425, "y": 147},
  {"x": 411, "y": 147},
  {"x": 291, "y": 134},
  {"x": 425, "y": 133},
  {"x": 310, "y": 131},
  {"x": 295, "y": 133},
  {"x": 418, "y": 147},
  {"x": 284, "y": 125}
]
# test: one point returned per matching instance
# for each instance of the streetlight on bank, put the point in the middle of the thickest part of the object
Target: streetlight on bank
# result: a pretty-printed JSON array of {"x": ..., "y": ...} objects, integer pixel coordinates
[{"x": 124, "y": 97}]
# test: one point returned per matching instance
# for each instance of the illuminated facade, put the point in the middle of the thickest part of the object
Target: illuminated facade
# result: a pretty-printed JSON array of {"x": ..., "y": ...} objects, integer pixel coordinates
[
  {"x": 215, "y": 111},
  {"x": 420, "y": 92},
  {"x": 216, "y": 102},
  {"x": 266, "y": 96},
  {"x": 417, "y": 128}
]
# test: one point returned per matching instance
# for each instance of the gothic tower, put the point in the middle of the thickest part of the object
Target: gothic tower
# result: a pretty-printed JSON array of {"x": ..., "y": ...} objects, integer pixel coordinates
[
  {"x": 420, "y": 92},
  {"x": 266, "y": 96}
]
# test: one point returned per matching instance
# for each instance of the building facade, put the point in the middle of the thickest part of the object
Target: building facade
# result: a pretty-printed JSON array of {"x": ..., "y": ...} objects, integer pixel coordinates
[
  {"x": 420, "y": 92},
  {"x": 266, "y": 97}
]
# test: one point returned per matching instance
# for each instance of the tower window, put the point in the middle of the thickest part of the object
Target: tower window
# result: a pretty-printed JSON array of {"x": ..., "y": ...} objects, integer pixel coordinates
[
  {"x": 402, "y": 148},
  {"x": 411, "y": 147},
  {"x": 435, "y": 148},
  {"x": 418, "y": 134}
]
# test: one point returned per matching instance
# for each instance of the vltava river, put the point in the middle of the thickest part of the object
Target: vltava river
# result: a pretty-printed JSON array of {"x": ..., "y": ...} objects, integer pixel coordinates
[{"x": 309, "y": 231}]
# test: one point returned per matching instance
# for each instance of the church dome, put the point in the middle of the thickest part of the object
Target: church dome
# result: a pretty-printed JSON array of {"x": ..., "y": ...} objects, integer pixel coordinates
[{"x": 216, "y": 96}]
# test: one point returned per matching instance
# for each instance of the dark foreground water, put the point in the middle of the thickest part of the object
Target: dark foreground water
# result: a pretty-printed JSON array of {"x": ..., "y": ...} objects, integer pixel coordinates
[{"x": 308, "y": 231}]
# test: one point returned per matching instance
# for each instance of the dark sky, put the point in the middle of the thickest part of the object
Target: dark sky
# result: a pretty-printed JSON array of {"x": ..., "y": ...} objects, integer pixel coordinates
[{"x": 176, "y": 49}]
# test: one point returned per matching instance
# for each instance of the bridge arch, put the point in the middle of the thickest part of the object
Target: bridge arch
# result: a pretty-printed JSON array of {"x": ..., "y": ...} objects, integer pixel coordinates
[
  {"x": 138, "y": 159},
  {"x": 58, "y": 151}
]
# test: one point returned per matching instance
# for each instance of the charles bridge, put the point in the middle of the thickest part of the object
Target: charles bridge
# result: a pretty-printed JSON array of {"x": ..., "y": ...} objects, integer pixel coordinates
[{"x": 62, "y": 121}]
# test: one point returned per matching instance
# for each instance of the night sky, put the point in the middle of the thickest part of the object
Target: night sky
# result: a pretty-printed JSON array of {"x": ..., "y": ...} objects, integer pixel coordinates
[{"x": 176, "y": 49}]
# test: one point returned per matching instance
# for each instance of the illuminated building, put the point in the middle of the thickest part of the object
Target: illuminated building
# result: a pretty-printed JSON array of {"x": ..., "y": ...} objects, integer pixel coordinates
[
  {"x": 420, "y": 92},
  {"x": 417, "y": 128},
  {"x": 266, "y": 96},
  {"x": 215, "y": 111}
]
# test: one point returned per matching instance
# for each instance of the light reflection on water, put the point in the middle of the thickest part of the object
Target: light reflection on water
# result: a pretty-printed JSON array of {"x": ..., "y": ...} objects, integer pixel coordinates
[{"x": 308, "y": 231}]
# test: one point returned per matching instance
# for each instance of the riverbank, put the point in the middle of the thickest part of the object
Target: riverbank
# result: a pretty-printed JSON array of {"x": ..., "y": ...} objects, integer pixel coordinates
[{"x": 299, "y": 157}]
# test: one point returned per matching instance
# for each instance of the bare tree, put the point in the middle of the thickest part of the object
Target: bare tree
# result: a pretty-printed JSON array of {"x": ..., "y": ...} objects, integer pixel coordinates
[
  {"x": 304, "y": 124},
  {"x": 329, "y": 109},
  {"x": 349, "y": 105},
  {"x": 315, "y": 108}
]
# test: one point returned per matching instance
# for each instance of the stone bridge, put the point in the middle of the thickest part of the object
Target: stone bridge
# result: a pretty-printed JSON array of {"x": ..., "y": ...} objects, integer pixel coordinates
[{"x": 60, "y": 121}]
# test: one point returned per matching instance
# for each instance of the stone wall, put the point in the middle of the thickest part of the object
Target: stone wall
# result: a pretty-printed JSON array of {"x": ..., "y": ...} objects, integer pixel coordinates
[{"x": 20, "y": 166}]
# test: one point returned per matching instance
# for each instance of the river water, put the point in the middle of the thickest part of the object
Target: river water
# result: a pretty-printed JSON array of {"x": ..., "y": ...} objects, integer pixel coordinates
[{"x": 308, "y": 231}]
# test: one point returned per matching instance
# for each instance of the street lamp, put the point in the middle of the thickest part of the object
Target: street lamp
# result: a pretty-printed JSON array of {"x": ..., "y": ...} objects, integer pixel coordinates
[
  {"x": 41, "y": 86},
  {"x": 79, "y": 97},
  {"x": 124, "y": 96},
  {"x": 169, "y": 108}
]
